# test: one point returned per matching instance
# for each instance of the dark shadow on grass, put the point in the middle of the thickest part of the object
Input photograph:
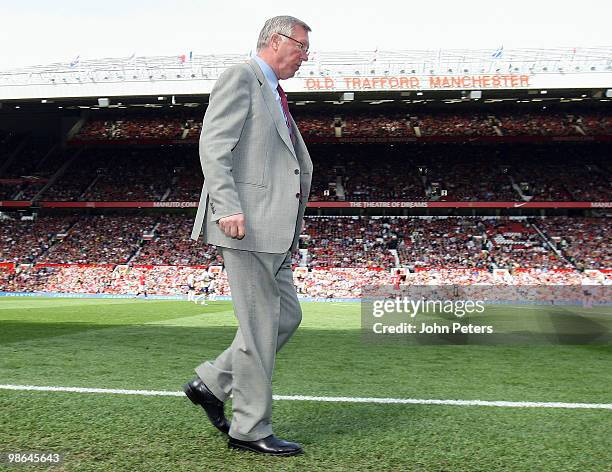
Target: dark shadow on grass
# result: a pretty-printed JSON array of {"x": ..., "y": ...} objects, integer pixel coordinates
[
  {"x": 330, "y": 422},
  {"x": 16, "y": 331}
]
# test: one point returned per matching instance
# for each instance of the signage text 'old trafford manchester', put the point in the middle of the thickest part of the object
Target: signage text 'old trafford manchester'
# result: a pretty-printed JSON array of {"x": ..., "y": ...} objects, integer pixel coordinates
[{"x": 418, "y": 83}]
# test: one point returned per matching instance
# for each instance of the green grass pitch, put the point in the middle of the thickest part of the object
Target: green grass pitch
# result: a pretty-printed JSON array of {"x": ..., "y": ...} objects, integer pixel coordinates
[{"x": 154, "y": 345}]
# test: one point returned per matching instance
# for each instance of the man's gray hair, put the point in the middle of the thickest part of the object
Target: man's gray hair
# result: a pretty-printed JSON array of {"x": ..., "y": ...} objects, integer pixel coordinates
[{"x": 278, "y": 24}]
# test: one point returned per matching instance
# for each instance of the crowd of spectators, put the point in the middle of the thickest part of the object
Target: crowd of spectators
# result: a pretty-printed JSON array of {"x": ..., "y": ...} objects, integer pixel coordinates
[
  {"x": 186, "y": 185},
  {"x": 100, "y": 239},
  {"x": 585, "y": 242},
  {"x": 327, "y": 241},
  {"x": 536, "y": 124},
  {"x": 342, "y": 172},
  {"x": 442, "y": 242},
  {"x": 170, "y": 243},
  {"x": 323, "y": 126},
  {"x": 595, "y": 123},
  {"x": 105, "y": 279},
  {"x": 376, "y": 125},
  {"x": 462, "y": 172},
  {"x": 349, "y": 242},
  {"x": 515, "y": 244},
  {"x": 472, "y": 174},
  {"x": 473, "y": 124},
  {"x": 24, "y": 241},
  {"x": 338, "y": 257},
  {"x": 454, "y": 242},
  {"x": 562, "y": 172},
  {"x": 138, "y": 127},
  {"x": 338, "y": 282},
  {"x": 62, "y": 279},
  {"x": 369, "y": 124},
  {"x": 29, "y": 166},
  {"x": 383, "y": 173},
  {"x": 330, "y": 167},
  {"x": 30, "y": 154},
  {"x": 123, "y": 174},
  {"x": 316, "y": 283}
]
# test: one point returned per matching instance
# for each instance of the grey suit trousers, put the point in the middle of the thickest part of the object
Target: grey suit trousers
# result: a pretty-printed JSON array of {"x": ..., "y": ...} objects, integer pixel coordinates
[{"x": 268, "y": 312}]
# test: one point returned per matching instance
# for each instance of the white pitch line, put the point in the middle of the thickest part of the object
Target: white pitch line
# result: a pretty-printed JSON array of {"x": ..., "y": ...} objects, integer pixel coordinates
[
  {"x": 148, "y": 393},
  {"x": 404, "y": 401},
  {"x": 420, "y": 401}
]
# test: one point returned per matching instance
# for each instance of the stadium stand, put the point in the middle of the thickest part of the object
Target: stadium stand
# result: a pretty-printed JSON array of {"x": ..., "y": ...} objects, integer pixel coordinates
[
  {"x": 585, "y": 242},
  {"x": 116, "y": 175},
  {"x": 139, "y": 127},
  {"x": 368, "y": 124},
  {"x": 347, "y": 172},
  {"x": 170, "y": 244},
  {"x": 100, "y": 239},
  {"x": 152, "y": 157},
  {"x": 24, "y": 242},
  {"x": 107, "y": 254}
]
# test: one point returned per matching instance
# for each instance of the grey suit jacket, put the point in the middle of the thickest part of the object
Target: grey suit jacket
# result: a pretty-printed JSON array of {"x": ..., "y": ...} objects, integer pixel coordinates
[{"x": 250, "y": 165}]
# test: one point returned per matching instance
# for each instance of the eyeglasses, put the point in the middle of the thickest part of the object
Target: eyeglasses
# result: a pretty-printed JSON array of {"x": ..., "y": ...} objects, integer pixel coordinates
[{"x": 303, "y": 48}]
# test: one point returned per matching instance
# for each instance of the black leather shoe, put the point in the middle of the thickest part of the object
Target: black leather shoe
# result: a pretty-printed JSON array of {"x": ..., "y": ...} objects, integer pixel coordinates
[
  {"x": 199, "y": 394},
  {"x": 269, "y": 445}
]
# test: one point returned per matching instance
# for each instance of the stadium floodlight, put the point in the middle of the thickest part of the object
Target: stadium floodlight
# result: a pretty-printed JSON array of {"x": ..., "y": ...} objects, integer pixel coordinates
[
  {"x": 103, "y": 102},
  {"x": 476, "y": 94},
  {"x": 347, "y": 96},
  {"x": 609, "y": 93}
]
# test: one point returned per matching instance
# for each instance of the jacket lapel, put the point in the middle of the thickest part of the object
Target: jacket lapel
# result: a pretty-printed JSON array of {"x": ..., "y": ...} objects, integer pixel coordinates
[
  {"x": 272, "y": 106},
  {"x": 300, "y": 149}
]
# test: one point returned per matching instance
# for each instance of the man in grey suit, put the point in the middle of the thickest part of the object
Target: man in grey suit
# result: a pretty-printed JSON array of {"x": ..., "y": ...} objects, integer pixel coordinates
[{"x": 257, "y": 175}]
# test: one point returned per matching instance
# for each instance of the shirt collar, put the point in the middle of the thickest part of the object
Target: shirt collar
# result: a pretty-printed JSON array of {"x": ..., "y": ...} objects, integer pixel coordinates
[{"x": 268, "y": 72}]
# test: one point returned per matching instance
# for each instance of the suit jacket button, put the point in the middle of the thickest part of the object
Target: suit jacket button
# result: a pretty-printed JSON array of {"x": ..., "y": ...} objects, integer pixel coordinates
[
  {"x": 297, "y": 195},
  {"x": 297, "y": 171}
]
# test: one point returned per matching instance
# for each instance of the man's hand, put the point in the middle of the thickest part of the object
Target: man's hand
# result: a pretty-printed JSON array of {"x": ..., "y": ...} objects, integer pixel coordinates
[{"x": 232, "y": 226}]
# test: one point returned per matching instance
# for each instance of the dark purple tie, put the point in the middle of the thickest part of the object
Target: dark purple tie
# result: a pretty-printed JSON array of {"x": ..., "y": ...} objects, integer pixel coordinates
[{"x": 285, "y": 107}]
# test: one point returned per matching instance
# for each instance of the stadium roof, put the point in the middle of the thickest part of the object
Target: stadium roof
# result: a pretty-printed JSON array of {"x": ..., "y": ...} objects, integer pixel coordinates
[{"x": 325, "y": 71}]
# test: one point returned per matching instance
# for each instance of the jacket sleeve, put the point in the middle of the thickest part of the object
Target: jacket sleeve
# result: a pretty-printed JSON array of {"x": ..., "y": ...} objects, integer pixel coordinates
[{"x": 227, "y": 111}]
